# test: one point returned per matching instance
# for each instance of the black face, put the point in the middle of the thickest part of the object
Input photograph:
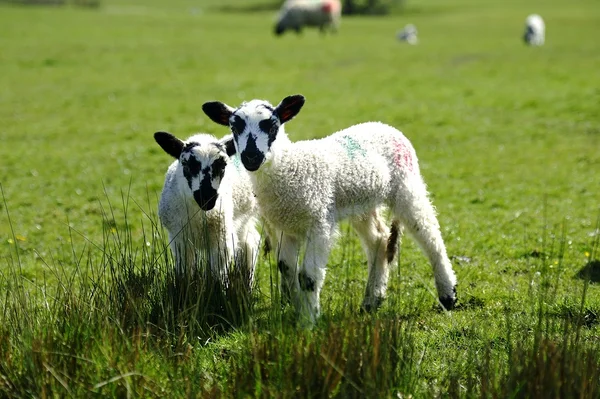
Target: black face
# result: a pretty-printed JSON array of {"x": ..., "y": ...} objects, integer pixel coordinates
[
  {"x": 279, "y": 29},
  {"x": 528, "y": 34},
  {"x": 202, "y": 180}
]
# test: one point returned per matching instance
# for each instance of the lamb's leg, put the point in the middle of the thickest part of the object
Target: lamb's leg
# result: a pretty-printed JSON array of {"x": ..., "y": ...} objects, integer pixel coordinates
[
  {"x": 312, "y": 275},
  {"x": 375, "y": 239},
  {"x": 221, "y": 257},
  {"x": 183, "y": 253},
  {"x": 414, "y": 209},
  {"x": 249, "y": 244},
  {"x": 287, "y": 263}
]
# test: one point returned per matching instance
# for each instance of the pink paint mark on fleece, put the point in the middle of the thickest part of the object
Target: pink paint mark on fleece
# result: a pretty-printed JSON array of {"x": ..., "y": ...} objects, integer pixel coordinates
[
  {"x": 327, "y": 7},
  {"x": 402, "y": 155},
  {"x": 331, "y": 6}
]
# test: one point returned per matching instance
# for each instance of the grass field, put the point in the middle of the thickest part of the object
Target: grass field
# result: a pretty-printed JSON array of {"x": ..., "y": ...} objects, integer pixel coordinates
[{"x": 508, "y": 139}]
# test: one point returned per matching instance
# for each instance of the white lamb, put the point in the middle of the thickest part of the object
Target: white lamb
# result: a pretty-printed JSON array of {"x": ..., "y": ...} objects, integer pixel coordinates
[
  {"x": 408, "y": 34},
  {"x": 305, "y": 188},
  {"x": 535, "y": 30},
  {"x": 207, "y": 205},
  {"x": 296, "y": 14}
]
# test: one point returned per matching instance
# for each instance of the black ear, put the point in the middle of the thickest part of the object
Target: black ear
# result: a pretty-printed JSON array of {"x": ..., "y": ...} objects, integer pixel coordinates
[
  {"x": 229, "y": 145},
  {"x": 171, "y": 144},
  {"x": 289, "y": 107},
  {"x": 218, "y": 112}
]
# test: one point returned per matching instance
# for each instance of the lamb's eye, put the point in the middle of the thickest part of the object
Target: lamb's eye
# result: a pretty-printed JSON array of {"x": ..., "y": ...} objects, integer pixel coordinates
[
  {"x": 218, "y": 167},
  {"x": 268, "y": 126},
  {"x": 237, "y": 125}
]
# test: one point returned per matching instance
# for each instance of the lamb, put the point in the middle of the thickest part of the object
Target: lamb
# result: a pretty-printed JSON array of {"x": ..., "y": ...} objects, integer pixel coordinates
[
  {"x": 296, "y": 14},
  {"x": 535, "y": 30},
  {"x": 305, "y": 188},
  {"x": 207, "y": 205},
  {"x": 408, "y": 34}
]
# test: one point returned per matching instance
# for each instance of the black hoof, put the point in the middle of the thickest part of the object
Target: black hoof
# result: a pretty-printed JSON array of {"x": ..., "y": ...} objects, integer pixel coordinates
[
  {"x": 449, "y": 301},
  {"x": 371, "y": 306}
]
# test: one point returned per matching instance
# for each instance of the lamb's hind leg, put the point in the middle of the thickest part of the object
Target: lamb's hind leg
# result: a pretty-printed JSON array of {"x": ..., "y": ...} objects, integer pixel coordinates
[
  {"x": 380, "y": 247},
  {"x": 418, "y": 215}
]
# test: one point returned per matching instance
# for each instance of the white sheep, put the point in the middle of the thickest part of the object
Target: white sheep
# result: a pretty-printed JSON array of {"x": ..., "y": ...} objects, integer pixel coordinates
[
  {"x": 535, "y": 30},
  {"x": 408, "y": 34},
  {"x": 305, "y": 188},
  {"x": 296, "y": 14},
  {"x": 207, "y": 205}
]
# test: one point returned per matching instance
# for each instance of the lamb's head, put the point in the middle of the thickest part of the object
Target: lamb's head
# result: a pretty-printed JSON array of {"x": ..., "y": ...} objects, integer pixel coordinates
[
  {"x": 203, "y": 159},
  {"x": 254, "y": 124}
]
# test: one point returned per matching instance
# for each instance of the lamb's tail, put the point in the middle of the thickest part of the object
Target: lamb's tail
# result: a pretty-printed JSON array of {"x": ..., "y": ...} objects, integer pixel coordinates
[{"x": 392, "y": 244}]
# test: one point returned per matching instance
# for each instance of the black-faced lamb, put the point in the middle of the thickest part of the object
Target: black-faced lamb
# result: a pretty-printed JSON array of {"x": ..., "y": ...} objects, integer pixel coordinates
[
  {"x": 535, "y": 30},
  {"x": 207, "y": 205},
  {"x": 305, "y": 188},
  {"x": 408, "y": 34}
]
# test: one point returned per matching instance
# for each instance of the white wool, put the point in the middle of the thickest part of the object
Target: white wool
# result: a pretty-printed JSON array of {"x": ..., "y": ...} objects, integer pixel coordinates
[
  {"x": 305, "y": 188},
  {"x": 296, "y": 14},
  {"x": 535, "y": 30},
  {"x": 408, "y": 34},
  {"x": 219, "y": 235}
]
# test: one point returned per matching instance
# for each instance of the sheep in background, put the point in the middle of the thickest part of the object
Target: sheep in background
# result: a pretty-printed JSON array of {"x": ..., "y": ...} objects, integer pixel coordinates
[
  {"x": 296, "y": 14},
  {"x": 408, "y": 34},
  {"x": 305, "y": 188},
  {"x": 207, "y": 205},
  {"x": 535, "y": 30}
]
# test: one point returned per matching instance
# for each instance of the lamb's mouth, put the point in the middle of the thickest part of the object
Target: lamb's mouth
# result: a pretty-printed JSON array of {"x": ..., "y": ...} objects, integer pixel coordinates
[
  {"x": 205, "y": 204},
  {"x": 252, "y": 163},
  {"x": 252, "y": 167}
]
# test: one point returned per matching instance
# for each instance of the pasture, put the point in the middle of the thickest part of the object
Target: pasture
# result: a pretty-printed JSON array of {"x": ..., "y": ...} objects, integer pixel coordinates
[{"x": 508, "y": 139}]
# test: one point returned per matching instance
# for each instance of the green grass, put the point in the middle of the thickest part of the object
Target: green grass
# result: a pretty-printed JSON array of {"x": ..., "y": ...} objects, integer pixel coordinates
[{"x": 507, "y": 137}]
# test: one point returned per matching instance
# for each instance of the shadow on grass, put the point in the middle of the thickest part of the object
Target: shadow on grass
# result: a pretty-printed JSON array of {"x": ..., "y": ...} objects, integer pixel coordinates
[{"x": 590, "y": 272}]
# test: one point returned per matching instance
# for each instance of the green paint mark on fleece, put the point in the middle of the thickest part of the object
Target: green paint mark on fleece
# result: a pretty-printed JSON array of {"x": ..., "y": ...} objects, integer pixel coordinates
[
  {"x": 352, "y": 146},
  {"x": 237, "y": 162}
]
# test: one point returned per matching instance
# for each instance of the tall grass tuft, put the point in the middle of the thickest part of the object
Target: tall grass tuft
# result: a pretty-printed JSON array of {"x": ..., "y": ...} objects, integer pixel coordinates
[
  {"x": 345, "y": 358},
  {"x": 120, "y": 323},
  {"x": 117, "y": 307}
]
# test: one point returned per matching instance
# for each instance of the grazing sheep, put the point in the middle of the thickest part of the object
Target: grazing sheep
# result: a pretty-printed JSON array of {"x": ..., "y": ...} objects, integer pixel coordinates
[
  {"x": 305, "y": 188},
  {"x": 535, "y": 30},
  {"x": 296, "y": 14},
  {"x": 408, "y": 34},
  {"x": 207, "y": 205}
]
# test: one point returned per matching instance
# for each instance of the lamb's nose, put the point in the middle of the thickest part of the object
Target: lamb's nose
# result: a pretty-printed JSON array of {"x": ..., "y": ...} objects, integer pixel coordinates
[
  {"x": 251, "y": 161},
  {"x": 250, "y": 158}
]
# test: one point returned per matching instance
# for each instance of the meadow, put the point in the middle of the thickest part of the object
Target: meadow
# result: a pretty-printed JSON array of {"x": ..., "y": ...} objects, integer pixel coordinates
[{"x": 508, "y": 139}]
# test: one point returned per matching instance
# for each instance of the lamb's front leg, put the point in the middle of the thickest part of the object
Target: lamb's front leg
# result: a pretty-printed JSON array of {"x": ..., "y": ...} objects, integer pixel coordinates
[
  {"x": 287, "y": 263},
  {"x": 247, "y": 253},
  {"x": 221, "y": 257},
  {"x": 312, "y": 275}
]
